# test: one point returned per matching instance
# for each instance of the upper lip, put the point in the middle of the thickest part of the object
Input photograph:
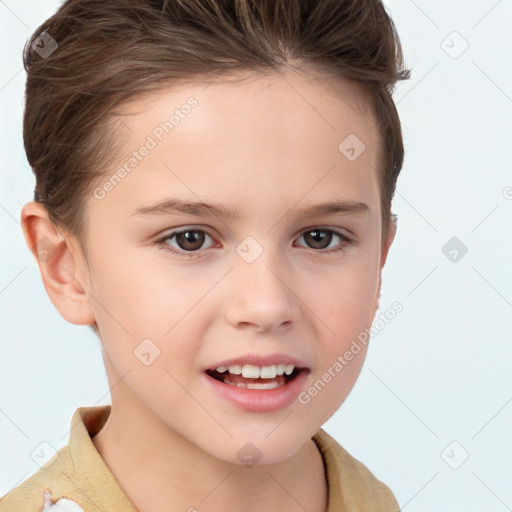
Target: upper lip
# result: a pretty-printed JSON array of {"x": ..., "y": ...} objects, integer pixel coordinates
[{"x": 260, "y": 360}]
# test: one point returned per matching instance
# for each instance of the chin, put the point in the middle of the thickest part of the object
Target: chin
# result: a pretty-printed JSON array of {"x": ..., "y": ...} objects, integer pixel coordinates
[{"x": 263, "y": 450}]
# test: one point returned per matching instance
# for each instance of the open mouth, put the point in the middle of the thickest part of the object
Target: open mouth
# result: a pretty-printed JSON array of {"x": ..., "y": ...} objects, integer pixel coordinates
[{"x": 254, "y": 383}]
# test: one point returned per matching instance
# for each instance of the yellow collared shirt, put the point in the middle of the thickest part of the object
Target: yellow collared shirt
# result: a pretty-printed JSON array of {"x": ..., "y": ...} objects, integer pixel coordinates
[{"x": 77, "y": 479}]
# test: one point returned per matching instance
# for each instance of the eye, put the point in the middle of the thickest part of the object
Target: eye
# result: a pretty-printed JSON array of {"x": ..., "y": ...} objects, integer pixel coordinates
[
  {"x": 320, "y": 238},
  {"x": 189, "y": 241}
]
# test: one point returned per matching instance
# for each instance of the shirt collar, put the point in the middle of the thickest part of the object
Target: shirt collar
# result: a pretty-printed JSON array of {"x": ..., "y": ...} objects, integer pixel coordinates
[{"x": 101, "y": 486}]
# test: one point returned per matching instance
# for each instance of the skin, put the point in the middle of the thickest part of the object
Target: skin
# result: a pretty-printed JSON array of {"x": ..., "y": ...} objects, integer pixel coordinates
[{"x": 268, "y": 147}]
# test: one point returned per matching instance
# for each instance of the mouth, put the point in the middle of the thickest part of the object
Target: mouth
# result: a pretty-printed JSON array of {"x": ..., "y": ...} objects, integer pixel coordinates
[
  {"x": 255, "y": 383},
  {"x": 254, "y": 377}
]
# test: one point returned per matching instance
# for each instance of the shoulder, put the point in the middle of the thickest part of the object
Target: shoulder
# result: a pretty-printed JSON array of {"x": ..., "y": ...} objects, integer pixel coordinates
[
  {"x": 350, "y": 482},
  {"x": 43, "y": 491}
]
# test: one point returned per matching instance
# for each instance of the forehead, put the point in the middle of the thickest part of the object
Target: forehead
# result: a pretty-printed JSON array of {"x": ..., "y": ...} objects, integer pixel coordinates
[
  {"x": 246, "y": 103},
  {"x": 278, "y": 137}
]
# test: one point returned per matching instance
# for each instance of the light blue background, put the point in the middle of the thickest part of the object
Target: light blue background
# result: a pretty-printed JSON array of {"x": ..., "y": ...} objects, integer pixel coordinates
[{"x": 440, "y": 372}]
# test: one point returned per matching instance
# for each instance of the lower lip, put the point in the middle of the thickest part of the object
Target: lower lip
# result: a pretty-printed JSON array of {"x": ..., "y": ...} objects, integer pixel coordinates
[{"x": 260, "y": 400}]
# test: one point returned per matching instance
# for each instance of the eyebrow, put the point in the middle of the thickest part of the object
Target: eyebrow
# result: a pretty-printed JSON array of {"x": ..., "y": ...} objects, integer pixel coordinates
[{"x": 201, "y": 209}]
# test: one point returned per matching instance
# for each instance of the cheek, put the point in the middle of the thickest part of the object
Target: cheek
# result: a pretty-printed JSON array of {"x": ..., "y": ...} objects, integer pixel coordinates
[
  {"x": 144, "y": 322},
  {"x": 148, "y": 309},
  {"x": 347, "y": 298},
  {"x": 345, "y": 305},
  {"x": 344, "y": 314},
  {"x": 144, "y": 297}
]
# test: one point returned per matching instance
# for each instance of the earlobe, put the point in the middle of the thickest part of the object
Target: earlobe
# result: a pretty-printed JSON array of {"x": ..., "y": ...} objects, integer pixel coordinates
[{"x": 60, "y": 262}]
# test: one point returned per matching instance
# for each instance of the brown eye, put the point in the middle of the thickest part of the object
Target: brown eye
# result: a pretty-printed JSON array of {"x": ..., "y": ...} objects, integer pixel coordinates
[
  {"x": 190, "y": 240},
  {"x": 321, "y": 238},
  {"x": 318, "y": 238}
]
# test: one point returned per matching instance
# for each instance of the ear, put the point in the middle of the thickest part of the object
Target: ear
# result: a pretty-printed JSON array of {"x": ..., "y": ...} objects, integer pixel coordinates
[
  {"x": 61, "y": 262},
  {"x": 386, "y": 244}
]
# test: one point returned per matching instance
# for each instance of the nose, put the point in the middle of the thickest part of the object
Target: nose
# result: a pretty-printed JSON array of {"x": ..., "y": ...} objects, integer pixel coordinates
[{"x": 262, "y": 294}]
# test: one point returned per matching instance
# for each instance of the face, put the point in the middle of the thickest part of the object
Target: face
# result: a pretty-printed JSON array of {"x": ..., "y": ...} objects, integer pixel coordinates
[{"x": 263, "y": 280}]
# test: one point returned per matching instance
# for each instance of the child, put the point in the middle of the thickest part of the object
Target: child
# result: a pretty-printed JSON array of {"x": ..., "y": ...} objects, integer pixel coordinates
[{"x": 265, "y": 129}]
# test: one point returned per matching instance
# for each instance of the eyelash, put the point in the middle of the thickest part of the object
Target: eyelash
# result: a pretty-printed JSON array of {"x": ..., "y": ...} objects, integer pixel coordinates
[{"x": 161, "y": 242}]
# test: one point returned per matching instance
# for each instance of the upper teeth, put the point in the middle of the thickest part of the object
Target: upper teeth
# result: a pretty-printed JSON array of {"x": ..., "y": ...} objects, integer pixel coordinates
[{"x": 255, "y": 372}]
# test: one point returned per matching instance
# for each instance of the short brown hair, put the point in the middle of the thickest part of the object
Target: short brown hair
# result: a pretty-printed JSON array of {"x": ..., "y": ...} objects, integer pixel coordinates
[{"x": 110, "y": 51}]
